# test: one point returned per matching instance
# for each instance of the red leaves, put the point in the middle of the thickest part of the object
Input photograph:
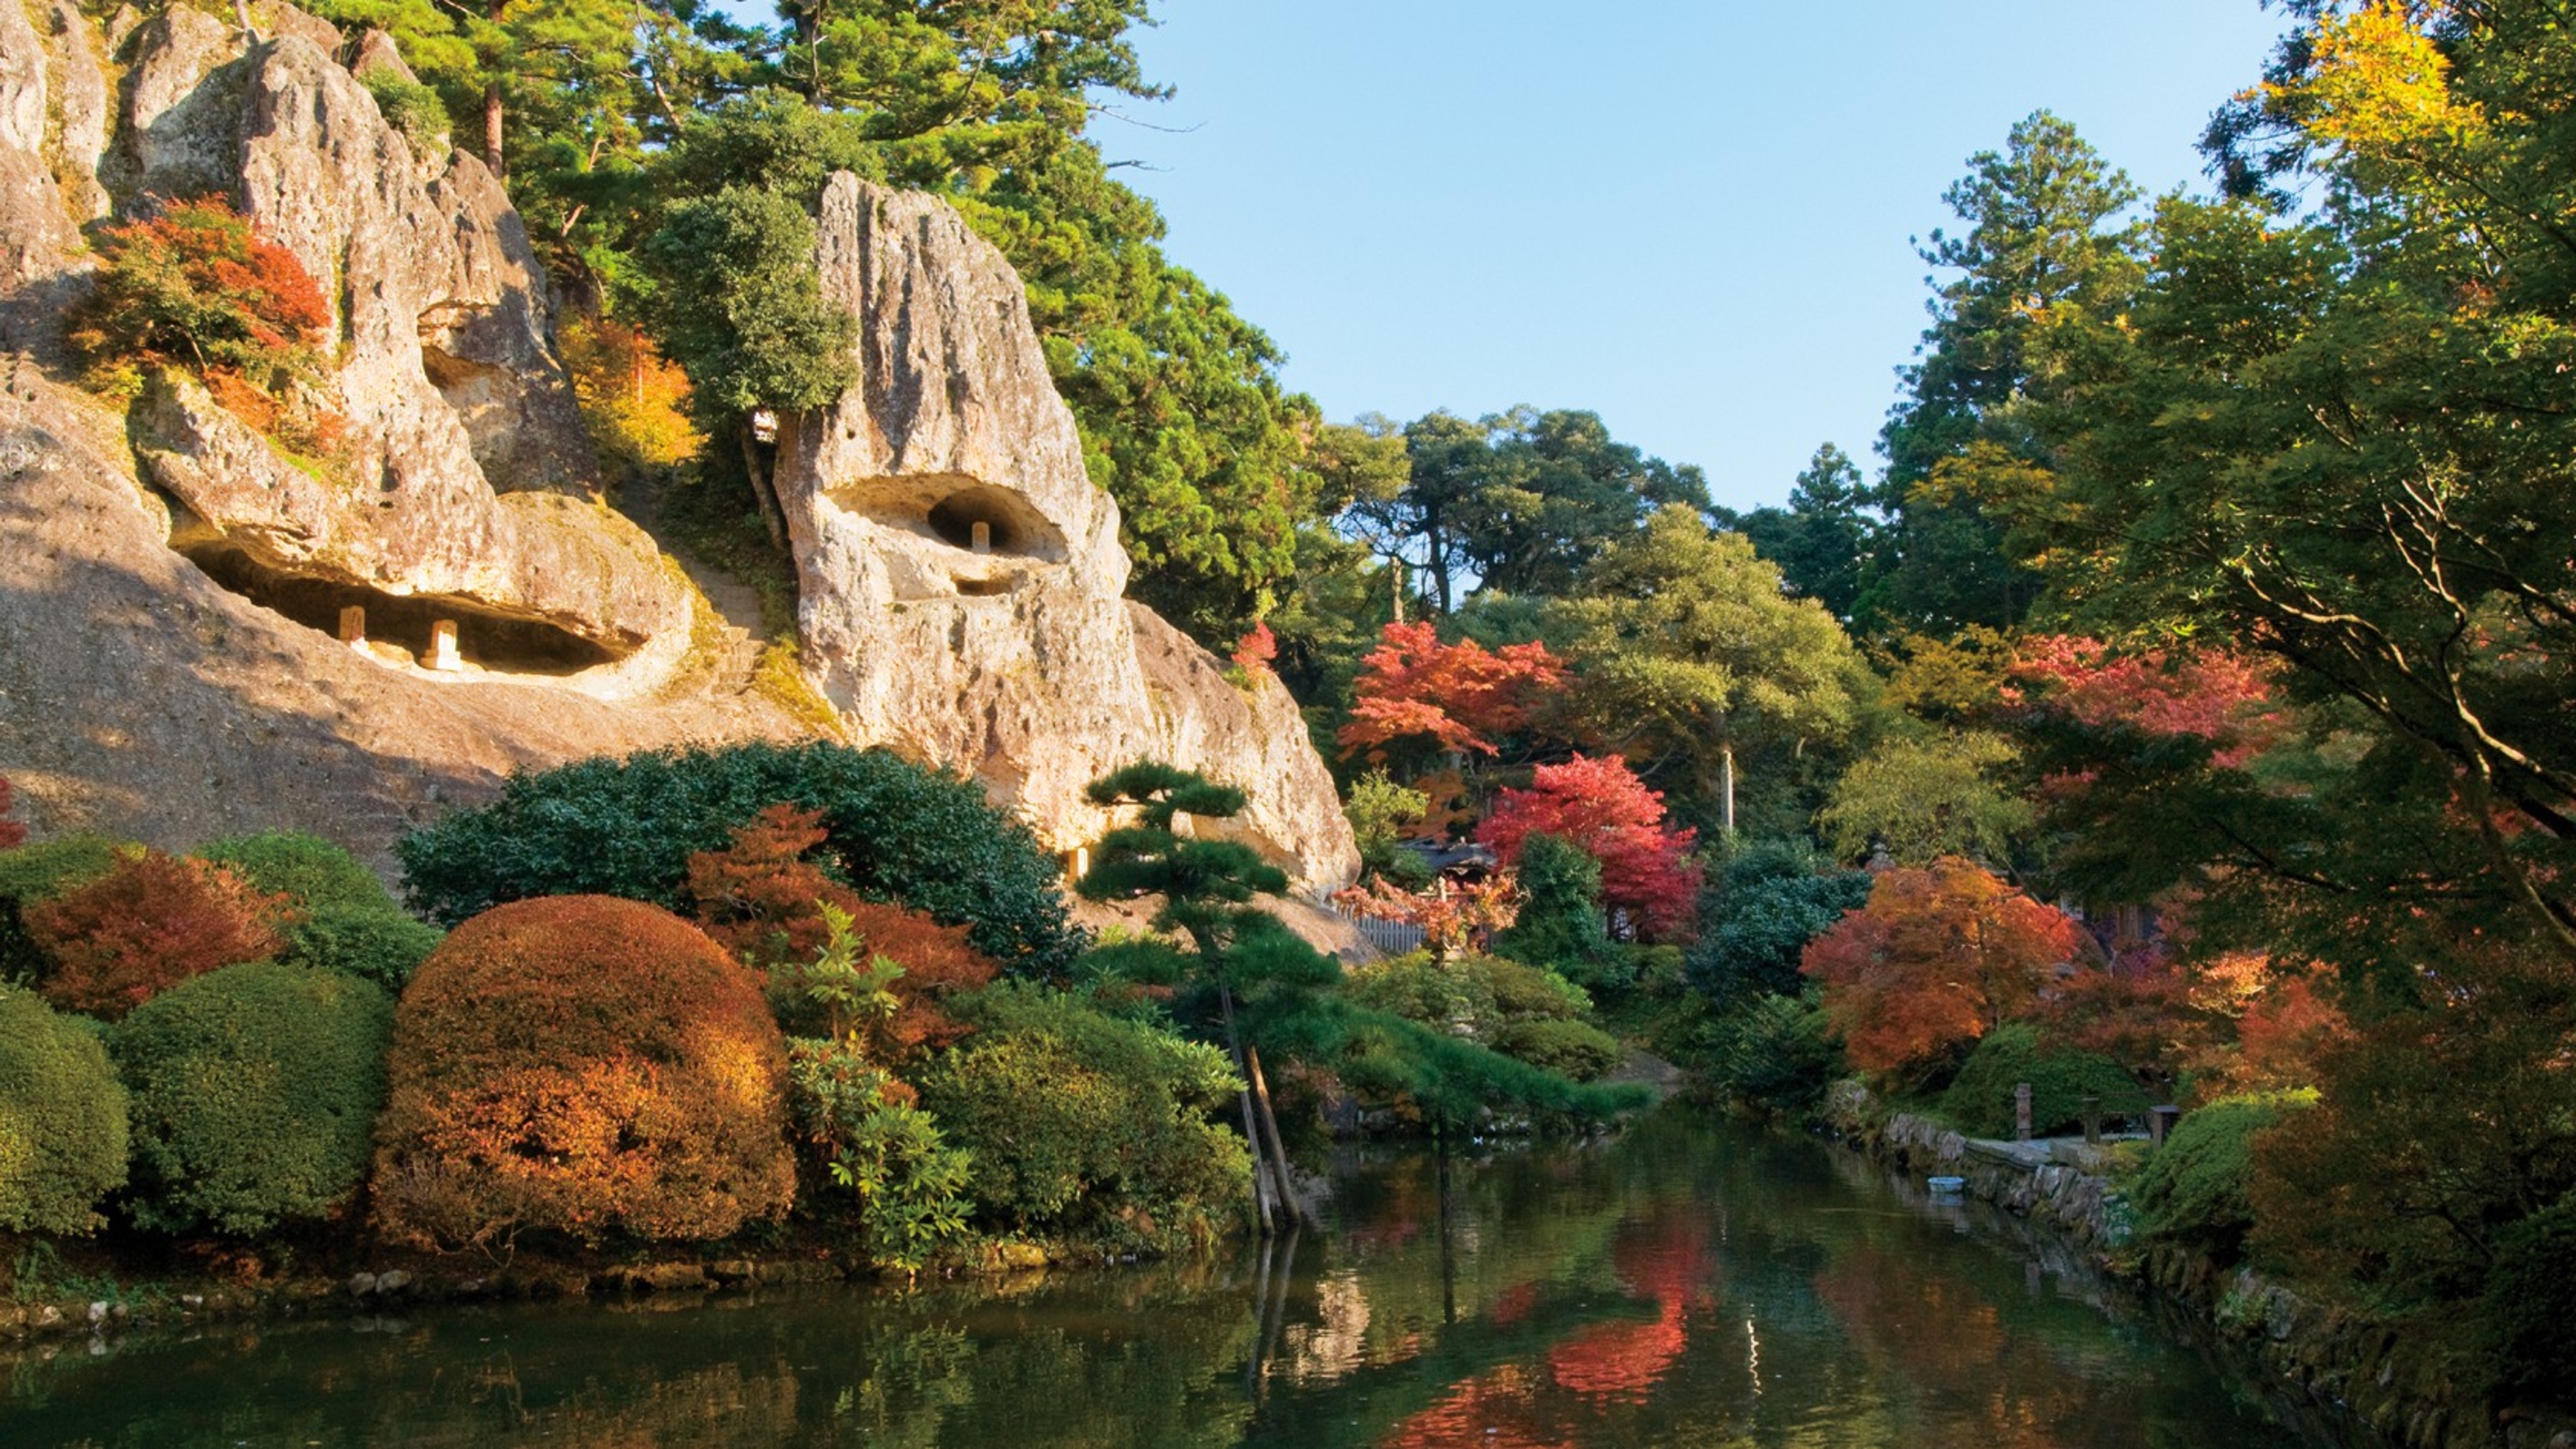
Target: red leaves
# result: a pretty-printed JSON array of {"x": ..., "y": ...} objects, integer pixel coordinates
[
  {"x": 1454, "y": 916},
  {"x": 1456, "y": 695},
  {"x": 762, "y": 900},
  {"x": 1258, "y": 649},
  {"x": 1609, "y": 814},
  {"x": 1938, "y": 958},
  {"x": 2219, "y": 696},
  {"x": 12, "y": 834},
  {"x": 150, "y": 923}
]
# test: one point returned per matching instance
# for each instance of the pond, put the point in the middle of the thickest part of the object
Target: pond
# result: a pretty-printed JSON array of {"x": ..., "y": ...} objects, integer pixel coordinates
[{"x": 1682, "y": 1284}]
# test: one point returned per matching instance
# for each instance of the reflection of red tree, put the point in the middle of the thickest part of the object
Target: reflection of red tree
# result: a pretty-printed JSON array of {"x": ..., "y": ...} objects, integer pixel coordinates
[
  {"x": 1624, "y": 1360},
  {"x": 1954, "y": 1345},
  {"x": 1493, "y": 1410}
]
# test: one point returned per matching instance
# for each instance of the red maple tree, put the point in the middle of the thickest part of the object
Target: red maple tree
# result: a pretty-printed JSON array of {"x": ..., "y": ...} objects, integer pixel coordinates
[
  {"x": 12, "y": 834},
  {"x": 151, "y": 922},
  {"x": 1609, "y": 814},
  {"x": 1457, "y": 696},
  {"x": 1939, "y": 957},
  {"x": 2216, "y": 694},
  {"x": 1256, "y": 651}
]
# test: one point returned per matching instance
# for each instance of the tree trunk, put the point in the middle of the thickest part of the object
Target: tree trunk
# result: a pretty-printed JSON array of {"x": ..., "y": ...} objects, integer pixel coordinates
[
  {"x": 762, "y": 494},
  {"x": 492, "y": 126},
  {"x": 1726, "y": 789},
  {"x": 1295, "y": 1206},
  {"x": 1251, "y": 1129}
]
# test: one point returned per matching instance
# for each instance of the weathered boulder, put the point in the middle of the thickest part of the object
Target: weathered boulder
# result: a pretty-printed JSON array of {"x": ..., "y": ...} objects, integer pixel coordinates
[{"x": 961, "y": 578}]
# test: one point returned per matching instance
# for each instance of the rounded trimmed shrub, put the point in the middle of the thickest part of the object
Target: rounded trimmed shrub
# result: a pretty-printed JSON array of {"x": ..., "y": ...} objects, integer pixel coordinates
[
  {"x": 2194, "y": 1188},
  {"x": 584, "y": 1065},
  {"x": 1574, "y": 1049},
  {"x": 62, "y": 1119},
  {"x": 1980, "y": 1098},
  {"x": 348, "y": 922},
  {"x": 1088, "y": 1125},
  {"x": 255, "y": 1092}
]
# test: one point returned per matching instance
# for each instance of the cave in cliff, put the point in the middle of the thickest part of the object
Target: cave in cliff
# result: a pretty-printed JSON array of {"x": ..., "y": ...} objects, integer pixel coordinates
[{"x": 492, "y": 642}]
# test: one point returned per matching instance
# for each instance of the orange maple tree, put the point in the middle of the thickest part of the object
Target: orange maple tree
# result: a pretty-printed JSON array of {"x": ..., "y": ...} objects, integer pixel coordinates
[
  {"x": 2215, "y": 694},
  {"x": 1939, "y": 957},
  {"x": 761, "y": 898},
  {"x": 1456, "y": 696}
]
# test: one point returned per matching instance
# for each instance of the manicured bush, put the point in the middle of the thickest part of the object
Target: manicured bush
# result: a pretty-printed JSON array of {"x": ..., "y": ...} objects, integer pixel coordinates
[
  {"x": 1772, "y": 898},
  {"x": 151, "y": 922},
  {"x": 1560, "y": 924},
  {"x": 1980, "y": 1098},
  {"x": 256, "y": 1089},
  {"x": 2528, "y": 1311},
  {"x": 347, "y": 921},
  {"x": 1089, "y": 1126},
  {"x": 897, "y": 831},
  {"x": 1576, "y": 1050},
  {"x": 2194, "y": 1189},
  {"x": 1481, "y": 995},
  {"x": 62, "y": 1119},
  {"x": 1772, "y": 1052},
  {"x": 585, "y": 1065},
  {"x": 34, "y": 873}
]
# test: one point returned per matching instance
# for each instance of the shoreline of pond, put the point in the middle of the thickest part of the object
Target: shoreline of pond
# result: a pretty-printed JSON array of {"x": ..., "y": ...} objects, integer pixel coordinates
[{"x": 2374, "y": 1382}]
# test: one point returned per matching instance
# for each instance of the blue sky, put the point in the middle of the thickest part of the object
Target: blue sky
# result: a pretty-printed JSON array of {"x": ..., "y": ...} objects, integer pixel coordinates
[{"x": 1691, "y": 218}]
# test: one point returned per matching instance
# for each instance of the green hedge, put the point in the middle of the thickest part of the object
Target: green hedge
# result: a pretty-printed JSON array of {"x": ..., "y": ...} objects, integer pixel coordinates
[
  {"x": 1980, "y": 1098},
  {"x": 256, "y": 1089},
  {"x": 1089, "y": 1126},
  {"x": 62, "y": 1119},
  {"x": 349, "y": 922},
  {"x": 627, "y": 827},
  {"x": 2193, "y": 1189}
]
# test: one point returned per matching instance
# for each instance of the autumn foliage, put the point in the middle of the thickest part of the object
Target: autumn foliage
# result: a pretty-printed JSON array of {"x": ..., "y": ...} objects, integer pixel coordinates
[
  {"x": 12, "y": 834},
  {"x": 151, "y": 922},
  {"x": 196, "y": 287},
  {"x": 1938, "y": 958},
  {"x": 586, "y": 1065},
  {"x": 635, "y": 400},
  {"x": 762, "y": 899},
  {"x": 1456, "y": 696},
  {"x": 1604, "y": 810},
  {"x": 2214, "y": 694}
]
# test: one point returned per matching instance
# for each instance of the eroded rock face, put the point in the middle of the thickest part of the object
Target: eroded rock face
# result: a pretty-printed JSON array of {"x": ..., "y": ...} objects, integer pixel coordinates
[
  {"x": 459, "y": 417},
  {"x": 961, "y": 578}
]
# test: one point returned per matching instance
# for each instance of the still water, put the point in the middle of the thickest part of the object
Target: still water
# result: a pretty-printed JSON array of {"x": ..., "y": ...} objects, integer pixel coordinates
[{"x": 1683, "y": 1285}]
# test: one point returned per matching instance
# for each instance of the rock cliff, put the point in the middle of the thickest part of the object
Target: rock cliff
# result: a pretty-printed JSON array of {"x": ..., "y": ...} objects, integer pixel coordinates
[
  {"x": 200, "y": 633},
  {"x": 960, "y": 577}
]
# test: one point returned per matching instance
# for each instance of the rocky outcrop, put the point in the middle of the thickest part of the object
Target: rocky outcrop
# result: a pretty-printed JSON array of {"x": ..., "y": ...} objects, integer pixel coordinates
[
  {"x": 171, "y": 659},
  {"x": 458, "y": 415},
  {"x": 961, "y": 577}
]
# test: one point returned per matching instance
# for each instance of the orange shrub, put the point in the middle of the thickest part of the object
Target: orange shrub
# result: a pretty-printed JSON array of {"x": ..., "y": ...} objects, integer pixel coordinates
[
  {"x": 150, "y": 923},
  {"x": 763, "y": 900},
  {"x": 586, "y": 1065}
]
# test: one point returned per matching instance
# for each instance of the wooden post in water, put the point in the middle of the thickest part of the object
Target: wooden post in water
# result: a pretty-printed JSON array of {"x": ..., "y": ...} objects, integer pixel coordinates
[{"x": 2021, "y": 1111}]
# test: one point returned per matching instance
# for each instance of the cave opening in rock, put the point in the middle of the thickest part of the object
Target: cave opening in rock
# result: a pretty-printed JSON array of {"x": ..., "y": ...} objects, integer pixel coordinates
[
  {"x": 482, "y": 638},
  {"x": 983, "y": 519}
]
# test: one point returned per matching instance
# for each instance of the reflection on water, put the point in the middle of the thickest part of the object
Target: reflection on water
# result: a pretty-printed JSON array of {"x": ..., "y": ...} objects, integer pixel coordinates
[{"x": 1683, "y": 1285}]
